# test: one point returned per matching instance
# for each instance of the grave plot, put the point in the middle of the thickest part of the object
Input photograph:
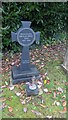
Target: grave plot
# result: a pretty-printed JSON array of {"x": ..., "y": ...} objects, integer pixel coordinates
[{"x": 51, "y": 100}]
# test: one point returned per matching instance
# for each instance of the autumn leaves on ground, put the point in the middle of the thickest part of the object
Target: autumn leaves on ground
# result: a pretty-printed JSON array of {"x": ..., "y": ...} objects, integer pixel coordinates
[{"x": 51, "y": 100}]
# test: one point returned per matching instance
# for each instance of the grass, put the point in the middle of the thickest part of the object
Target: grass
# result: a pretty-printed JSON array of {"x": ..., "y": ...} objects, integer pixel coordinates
[{"x": 57, "y": 79}]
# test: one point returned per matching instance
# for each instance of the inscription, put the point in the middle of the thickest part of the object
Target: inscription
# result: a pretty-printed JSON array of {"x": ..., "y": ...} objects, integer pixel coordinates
[{"x": 26, "y": 36}]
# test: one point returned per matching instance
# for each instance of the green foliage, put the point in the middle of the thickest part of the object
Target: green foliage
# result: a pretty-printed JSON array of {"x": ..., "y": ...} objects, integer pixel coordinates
[{"x": 49, "y": 18}]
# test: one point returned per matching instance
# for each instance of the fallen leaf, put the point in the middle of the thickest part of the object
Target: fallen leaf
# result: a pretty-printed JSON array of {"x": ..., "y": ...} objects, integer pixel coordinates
[
  {"x": 58, "y": 93},
  {"x": 48, "y": 81},
  {"x": 12, "y": 63},
  {"x": 45, "y": 74},
  {"x": 64, "y": 96},
  {"x": 44, "y": 46},
  {"x": 39, "y": 86},
  {"x": 66, "y": 83},
  {"x": 28, "y": 99},
  {"x": 18, "y": 93},
  {"x": 7, "y": 60},
  {"x": 60, "y": 89},
  {"x": 47, "y": 78},
  {"x": 10, "y": 109},
  {"x": 16, "y": 85},
  {"x": 48, "y": 116},
  {"x": 6, "y": 82},
  {"x": 54, "y": 94},
  {"x": 11, "y": 87},
  {"x": 22, "y": 92},
  {"x": 42, "y": 105},
  {"x": 40, "y": 92},
  {"x": 4, "y": 86},
  {"x": 65, "y": 109},
  {"x": 3, "y": 106},
  {"x": 48, "y": 92},
  {"x": 45, "y": 81},
  {"x": 41, "y": 66},
  {"x": 42, "y": 101},
  {"x": 23, "y": 102},
  {"x": 41, "y": 79},
  {"x": 45, "y": 90},
  {"x": 64, "y": 103},
  {"x": 40, "y": 83},
  {"x": 25, "y": 110},
  {"x": 37, "y": 61},
  {"x": 2, "y": 99},
  {"x": 56, "y": 103},
  {"x": 9, "y": 98},
  {"x": 36, "y": 112}
]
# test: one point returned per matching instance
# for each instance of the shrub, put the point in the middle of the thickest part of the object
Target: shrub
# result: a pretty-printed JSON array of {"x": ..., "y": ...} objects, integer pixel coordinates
[{"x": 49, "y": 18}]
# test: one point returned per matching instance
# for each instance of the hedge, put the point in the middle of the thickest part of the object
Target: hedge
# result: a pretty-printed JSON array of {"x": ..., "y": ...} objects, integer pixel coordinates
[{"x": 49, "y": 18}]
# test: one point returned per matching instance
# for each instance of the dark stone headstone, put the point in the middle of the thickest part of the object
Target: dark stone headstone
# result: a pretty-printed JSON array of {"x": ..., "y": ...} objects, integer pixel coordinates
[{"x": 25, "y": 36}]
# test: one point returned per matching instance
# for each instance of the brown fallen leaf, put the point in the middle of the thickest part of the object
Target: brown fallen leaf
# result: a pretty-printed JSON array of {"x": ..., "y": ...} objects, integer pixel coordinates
[
  {"x": 48, "y": 81},
  {"x": 2, "y": 99},
  {"x": 58, "y": 93},
  {"x": 48, "y": 92},
  {"x": 65, "y": 109},
  {"x": 10, "y": 109},
  {"x": 64, "y": 103},
  {"x": 54, "y": 94},
  {"x": 9, "y": 98},
  {"x": 66, "y": 83},
  {"x": 16, "y": 85},
  {"x": 22, "y": 92},
  {"x": 42, "y": 105}
]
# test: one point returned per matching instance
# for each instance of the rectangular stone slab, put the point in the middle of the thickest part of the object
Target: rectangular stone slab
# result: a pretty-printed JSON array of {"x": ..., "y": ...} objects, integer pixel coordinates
[{"x": 19, "y": 76}]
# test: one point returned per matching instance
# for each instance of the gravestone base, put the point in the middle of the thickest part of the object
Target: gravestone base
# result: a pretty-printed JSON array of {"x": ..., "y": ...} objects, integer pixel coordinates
[
  {"x": 30, "y": 92},
  {"x": 19, "y": 76}
]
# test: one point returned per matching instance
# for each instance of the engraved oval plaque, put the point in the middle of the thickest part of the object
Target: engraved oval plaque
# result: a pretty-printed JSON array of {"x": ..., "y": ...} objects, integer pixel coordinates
[{"x": 26, "y": 36}]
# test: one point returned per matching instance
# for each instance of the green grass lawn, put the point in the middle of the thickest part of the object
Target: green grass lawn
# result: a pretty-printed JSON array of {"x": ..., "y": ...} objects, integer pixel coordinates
[
  {"x": 48, "y": 104},
  {"x": 57, "y": 79}
]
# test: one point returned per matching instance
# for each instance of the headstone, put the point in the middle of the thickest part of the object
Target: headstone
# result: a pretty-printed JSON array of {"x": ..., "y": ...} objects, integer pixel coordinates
[
  {"x": 65, "y": 63},
  {"x": 25, "y": 36}
]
